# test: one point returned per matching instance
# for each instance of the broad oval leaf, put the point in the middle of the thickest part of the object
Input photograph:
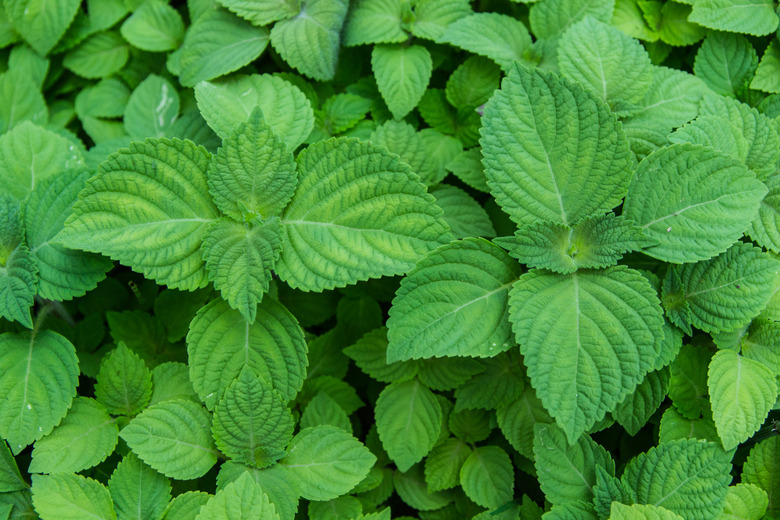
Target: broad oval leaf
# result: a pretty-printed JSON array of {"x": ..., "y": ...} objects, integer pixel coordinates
[
  {"x": 240, "y": 500},
  {"x": 552, "y": 150},
  {"x": 376, "y": 21},
  {"x": 38, "y": 378},
  {"x": 160, "y": 233},
  {"x": 326, "y": 462},
  {"x": 454, "y": 303},
  {"x": 99, "y": 56},
  {"x": 85, "y": 437},
  {"x": 124, "y": 383},
  {"x": 186, "y": 506},
  {"x": 65, "y": 496},
  {"x": 726, "y": 62},
  {"x": 138, "y": 491},
  {"x": 221, "y": 343},
  {"x": 687, "y": 477},
  {"x": 339, "y": 228},
  {"x": 756, "y": 17},
  {"x": 588, "y": 339},
  {"x": 693, "y": 200},
  {"x": 742, "y": 392},
  {"x": 402, "y": 74},
  {"x": 173, "y": 437},
  {"x": 499, "y": 37},
  {"x": 41, "y": 23},
  {"x": 152, "y": 108},
  {"x": 408, "y": 419},
  {"x": 745, "y": 501},
  {"x": 442, "y": 465},
  {"x": 155, "y": 26},
  {"x": 487, "y": 477}
]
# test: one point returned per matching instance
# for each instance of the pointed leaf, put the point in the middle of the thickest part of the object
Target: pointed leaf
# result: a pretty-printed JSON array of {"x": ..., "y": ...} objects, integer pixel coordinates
[
  {"x": 761, "y": 469},
  {"x": 499, "y": 37},
  {"x": 262, "y": 12},
  {"x": 155, "y": 26},
  {"x": 518, "y": 419},
  {"x": 99, "y": 56},
  {"x": 726, "y": 62},
  {"x": 767, "y": 78},
  {"x": 376, "y": 21},
  {"x": 756, "y": 17},
  {"x": 10, "y": 478},
  {"x": 745, "y": 502},
  {"x": 634, "y": 412},
  {"x": 41, "y": 24},
  {"x": 465, "y": 216},
  {"x": 370, "y": 355},
  {"x": 64, "y": 496},
  {"x": 186, "y": 506},
  {"x": 153, "y": 106},
  {"x": 240, "y": 500},
  {"x": 138, "y": 491},
  {"x": 442, "y": 465},
  {"x": 487, "y": 477},
  {"x": 124, "y": 383},
  {"x": 402, "y": 74}
]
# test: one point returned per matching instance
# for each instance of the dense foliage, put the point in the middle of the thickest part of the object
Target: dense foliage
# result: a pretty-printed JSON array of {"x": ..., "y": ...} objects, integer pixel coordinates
[{"x": 433, "y": 259}]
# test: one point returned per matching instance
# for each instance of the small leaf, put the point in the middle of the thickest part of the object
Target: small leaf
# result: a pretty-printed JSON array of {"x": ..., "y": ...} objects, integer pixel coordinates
[
  {"x": 262, "y": 12},
  {"x": 762, "y": 469},
  {"x": 323, "y": 409},
  {"x": 85, "y": 437},
  {"x": 745, "y": 502},
  {"x": 767, "y": 78},
  {"x": 173, "y": 437},
  {"x": 155, "y": 26},
  {"x": 499, "y": 37},
  {"x": 376, "y": 21},
  {"x": 641, "y": 512},
  {"x": 124, "y": 383},
  {"x": 138, "y": 492},
  {"x": 65, "y": 496},
  {"x": 370, "y": 355},
  {"x": 634, "y": 412},
  {"x": 99, "y": 56},
  {"x": 326, "y": 462},
  {"x": 22, "y": 101},
  {"x": 518, "y": 419},
  {"x": 153, "y": 106},
  {"x": 240, "y": 500},
  {"x": 487, "y": 477},
  {"x": 402, "y": 74},
  {"x": 10, "y": 478},
  {"x": 465, "y": 216},
  {"x": 186, "y": 506},
  {"x": 443, "y": 464},
  {"x": 41, "y": 24},
  {"x": 726, "y": 62},
  {"x": 756, "y": 17},
  {"x": 432, "y": 17}
]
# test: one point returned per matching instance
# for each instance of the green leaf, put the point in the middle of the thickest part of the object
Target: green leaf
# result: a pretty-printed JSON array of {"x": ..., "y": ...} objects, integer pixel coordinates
[
  {"x": 310, "y": 41},
  {"x": 22, "y": 101},
  {"x": 345, "y": 507},
  {"x": 607, "y": 490},
  {"x": 518, "y": 418},
  {"x": 138, "y": 492},
  {"x": 85, "y": 437},
  {"x": 338, "y": 228},
  {"x": 432, "y": 17},
  {"x": 675, "y": 27},
  {"x": 470, "y": 426},
  {"x": 262, "y": 12},
  {"x": 155, "y": 26},
  {"x": 124, "y": 384},
  {"x": 20, "y": 503},
  {"x": 326, "y": 462},
  {"x": 38, "y": 377},
  {"x": 571, "y": 511},
  {"x": 761, "y": 469},
  {"x": 153, "y": 106},
  {"x": 767, "y": 78},
  {"x": 693, "y": 201},
  {"x": 756, "y": 17},
  {"x": 10, "y": 478},
  {"x": 759, "y": 343},
  {"x": 742, "y": 392},
  {"x": 472, "y": 83},
  {"x": 487, "y": 477},
  {"x": 726, "y": 62},
  {"x": 687, "y": 477},
  {"x": 158, "y": 235},
  {"x": 444, "y": 374},
  {"x": 24, "y": 58},
  {"x": 523, "y": 144},
  {"x": 239, "y": 258},
  {"x": 765, "y": 229},
  {"x": 377, "y": 21},
  {"x": 171, "y": 381},
  {"x": 610, "y": 63},
  {"x": 500, "y": 384},
  {"x": 408, "y": 418},
  {"x": 240, "y": 500},
  {"x": 64, "y": 496},
  {"x": 688, "y": 387},
  {"x": 342, "y": 112},
  {"x": 672, "y": 100},
  {"x": 636, "y": 409},
  {"x": 499, "y": 37},
  {"x": 40, "y": 23},
  {"x": 323, "y": 409},
  {"x": 273, "y": 347},
  {"x": 173, "y": 437},
  {"x": 186, "y": 506},
  {"x": 370, "y": 355},
  {"x": 745, "y": 502},
  {"x": 567, "y": 472},
  {"x": 565, "y": 322},
  {"x": 100, "y": 56},
  {"x": 341, "y": 392},
  {"x": 443, "y": 464},
  {"x": 282, "y": 491},
  {"x": 402, "y": 139},
  {"x": 725, "y": 292},
  {"x": 62, "y": 273},
  {"x": 463, "y": 287},
  {"x": 18, "y": 280},
  {"x": 229, "y": 103},
  {"x": 402, "y": 75},
  {"x": 641, "y": 512},
  {"x": 217, "y": 43},
  {"x": 253, "y": 174},
  {"x": 465, "y": 216},
  {"x": 411, "y": 488},
  {"x": 597, "y": 241},
  {"x": 252, "y": 424},
  {"x": 143, "y": 333},
  {"x": 31, "y": 154},
  {"x": 551, "y": 18}
]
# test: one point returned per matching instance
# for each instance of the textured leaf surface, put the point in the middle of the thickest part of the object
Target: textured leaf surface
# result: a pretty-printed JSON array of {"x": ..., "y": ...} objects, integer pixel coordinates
[
  {"x": 765, "y": 229},
  {"x": 217, "y": 43},
  {"x": 338, "y": 228},
  {"x": 641, "y": 512},
  {"x": 725, "y": 292},
  {"x": 523, "y": 138},
  {"x": 756, "y": 17},
  {"x": 376, "y": 21},
  {"x": 694, "y": 201},
  {"x": 310, "y": 41},
  {"x": 85, "y": 437},
  {"x": 465, "y": 216},
  {"x": 38, "y": 377},
  {"x": 240, "y": 500},
  {"x": 499, "y": 37},
  {"x": 252, "y": 424},
  {"x": 152, "y": 107},
  {"x": 221, "y": 343},
  {"x": 262, "y": 12},
  {"x": 186, "y": 506},
  {"x": 30, "y": 155},
  {"x": 607, "y": 61},
  {"x": 23, "y": 101},
  {"x": 687, "y": 477},
  {"x": 634, "y": 412},
  {"x": 401, "y": 138},
  {"x": 767, "y": 78},
  {"x": 742, "y": 392},
  {"x": 454, "y": 302},
  {"x": 155, "y": 26},
  {"x": 40, "y": 23},
  {"x": 761, "y": 469},
  {"x": 62, "y": 273},
  {"x": 65, "y": 496},
  {"x": 326, "y": 462},
  {"x": 138, "y": 491},
  {"x": 124, "y": 383},
  {"x": 567, "y": 472},
  {"x": 551, "y": 18},
  {"x": 402, "y": 74},
  {"x": 10, "y": 478},
  {"x": 370, "y": 355},
  {"x": 518, "y": 419},
  {"x": 588, "y": 339},
  {"x": 726, "y": 62},
  {"x": 408, "y": 419},
  {"x": 672, "y": 99},
  {"x": 443, "y": 464},
  {"x": 487, "y": 477},
  {"x": 229, "y": 103},
  {"x": 745, "y": 502},
  {"x": 18, "y": 280},
  {"x": 432, "y": 17},
  {"x": 173, "y": 437},
  {"x": 100, "y": 56}
]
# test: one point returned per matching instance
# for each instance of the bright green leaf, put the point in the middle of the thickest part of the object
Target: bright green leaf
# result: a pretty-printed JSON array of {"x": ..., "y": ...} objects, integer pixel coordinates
[
  {"x": 762, "y": 469},
  {"x": 100, "y": 56},
  {"x": 138, "y": 491},
  {"x": 124, "y": 383},
  {"x": 499, "y": 37},
  {"x": 155, "y": 26},
  {"x": 402, "y": 75},
  {"x": 756, "y": 17},
  {"x": 518, "y": 418},
  {"x": 641, "y": 512},
  {"x": 465, "y": 216},
  {"x": 726, "y": 62},
  {"x": 39, "y": 22},
  {"x": 636, "y": 409},
  {"x": 767, "y": 78},
  {"x": 262, "y": 12},
  {"x": 240, "y": 500},
  {"x": 487, "y": 477},
  {"x": 377, "y": 21},
  {"x": 745, "y": 502},
  {"x": 64, "y": 496},
  {"x": 152, "y": 108},
  {"x": 442, "y": 465}
]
